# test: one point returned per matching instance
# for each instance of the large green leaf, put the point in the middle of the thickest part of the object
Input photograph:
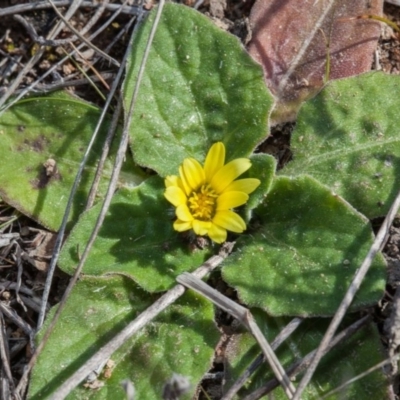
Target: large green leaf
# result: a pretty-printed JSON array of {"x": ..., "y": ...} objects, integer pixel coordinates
[
  {"x": 356, "y": 355},
  {"x": 36, "y": 131},
  {"x": 347, "y": 137},
  {"x": 199, "y": 87},
  {"x": 305, "y": 253},
  {"x": 99, "y": 308},
  {"x": 136, "y": 239}
]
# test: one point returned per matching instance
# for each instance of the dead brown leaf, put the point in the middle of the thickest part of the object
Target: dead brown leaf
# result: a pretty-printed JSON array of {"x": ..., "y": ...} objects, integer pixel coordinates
[
  {"x": 40, "y": 249},
  {"x": 289, "y": 39}
]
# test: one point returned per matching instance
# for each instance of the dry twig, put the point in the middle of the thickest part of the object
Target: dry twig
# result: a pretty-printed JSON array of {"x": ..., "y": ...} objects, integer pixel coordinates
[
  {"x": 349, "y": 296},
  {"x": 302, "y": 364},
  {"x": 245, "y": 317},
  {"x": 241, "y": 381},
  {"x": 110, "y": 192},
  {"x": 43, "y": 5},
  {"x": 37, "y": 56},
  {"x": 11, "y": 90},
  {"x": 140, "y": 321},
  {"x": 5, "y": 361}
]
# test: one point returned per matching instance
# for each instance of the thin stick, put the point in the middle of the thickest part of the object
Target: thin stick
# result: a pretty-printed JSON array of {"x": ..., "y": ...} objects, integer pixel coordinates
[
  {"x": 43, "y": 5},
  {"x": 61, "y": 232},
  {"x": 349, "y": 296},
  {"x": 302, "y": 364},
  {"x": 47, "y": 88},
  {"x": 107, "y": 200},
  {"x": 40, "y": 39},
  {"x": 86, "y": 41},
  {"x": 32, "y": 61},
  {"x": 59, "y": 42},
  {"x": 245, "y": 317},
  {"x": 122, "y": 31},
  {"x": 84, "y": 70},
  {"x": 8, "y": 285},
  {"x": 19, "y": 274},
  {"x": 133, "y": 327},
  {"x": 11, "y": 90},
  {"x": 104, "y": 155},
  {"x": 17, "y": 320},
  {"x": 4, "y": 354},
  {"x": 392, "y": 331},
  {"x": 283, "y": 335},
  {"x": 31, "y": 303},
  {"x": 111, "y": 188},
  {"x": 360, "y": 376},
  {"x": 93, "y": 20}
]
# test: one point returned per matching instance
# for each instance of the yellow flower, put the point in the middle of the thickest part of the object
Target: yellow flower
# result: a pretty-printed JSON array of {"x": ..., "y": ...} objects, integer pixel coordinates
[{"x": 205, "y": 196}]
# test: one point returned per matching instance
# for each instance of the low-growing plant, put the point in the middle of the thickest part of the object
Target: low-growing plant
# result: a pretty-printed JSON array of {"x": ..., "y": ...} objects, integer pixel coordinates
[{"x": 307, "y": 226}]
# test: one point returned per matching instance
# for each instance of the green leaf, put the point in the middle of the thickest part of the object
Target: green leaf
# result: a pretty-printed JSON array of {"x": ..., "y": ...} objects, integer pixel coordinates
[
  {"x": 199, "y": 87},
  {"x": 359, "y": 353},
  {"x": 34, "y": 132},
  {"x": 136, "y": 239},
  {"x": 263, "y": 168},
  {"x": 305, "y": 253},
  {"x": 180, "y": 340},
  {"x": 347, "y": 138}
]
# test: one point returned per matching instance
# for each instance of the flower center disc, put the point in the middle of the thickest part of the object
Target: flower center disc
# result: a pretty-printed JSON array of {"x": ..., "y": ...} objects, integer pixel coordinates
[{"x": 202, "y": 203}]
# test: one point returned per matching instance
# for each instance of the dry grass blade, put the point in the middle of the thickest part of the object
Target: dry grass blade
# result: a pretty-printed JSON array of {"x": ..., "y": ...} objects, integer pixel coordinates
[
  {"x": 244, "y": 316},
  {"x": 83, "y": 70},
  {"x": 241, "y": 381},
  {"x": 140, "y": 321},
  {"x": 349, "y": 296}
]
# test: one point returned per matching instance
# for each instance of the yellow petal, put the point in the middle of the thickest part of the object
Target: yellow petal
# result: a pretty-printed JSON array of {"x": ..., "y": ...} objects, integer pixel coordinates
[
  {"x": 230, "y": 221},
  {"x": 201, "y": 227},
  {"x": 171, "y": 180},
  {"x": 185, "y": 185},
  {"x": 228, "y": 173},
  {"x": 175, "y": 195},
  {"x": 193, "y": 172},
  {"x": 182, "y": 226},
  {"x": 215, "y": 160},
  {"x": 247, "y": 185},
  {"x": 217, "y": 234},
  {"x": 183, "y": 213},
  {"x": 230, "y": 200}
]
